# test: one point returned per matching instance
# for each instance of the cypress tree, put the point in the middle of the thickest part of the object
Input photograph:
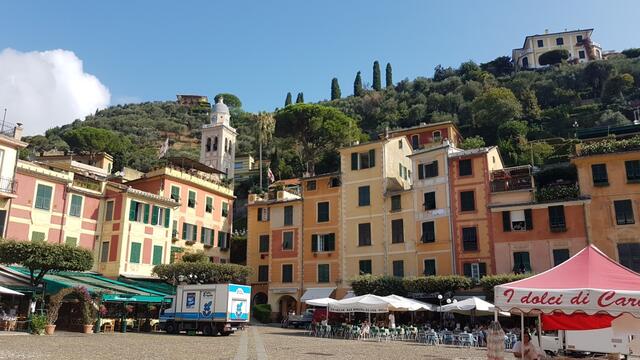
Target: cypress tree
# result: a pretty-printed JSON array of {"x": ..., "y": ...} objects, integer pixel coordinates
[
  {"x": 357, "y": 85},
  {"x": 377, "y": 82},
  {"x": 288, "y": 100},
  {"x": 300, "y": 98},
  {"x": 335, "y": 89},
  {"x": 388, "y": 76}
]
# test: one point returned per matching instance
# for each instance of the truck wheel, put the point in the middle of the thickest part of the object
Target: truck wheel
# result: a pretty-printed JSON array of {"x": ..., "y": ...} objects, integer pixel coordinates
[
  {"x": 171, "y": 328},
  {"x": 207, "y": 330},
  {"x": 226, "y": 333}
]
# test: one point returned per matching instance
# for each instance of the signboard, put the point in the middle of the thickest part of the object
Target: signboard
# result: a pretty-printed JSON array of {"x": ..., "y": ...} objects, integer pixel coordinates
[
  {"x": 206, "y": 301},
  {"x": 190, "y": 303}
]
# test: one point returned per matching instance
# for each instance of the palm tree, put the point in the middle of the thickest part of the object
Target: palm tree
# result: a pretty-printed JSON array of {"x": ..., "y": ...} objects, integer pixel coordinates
[{"x": 264, "y": 128}]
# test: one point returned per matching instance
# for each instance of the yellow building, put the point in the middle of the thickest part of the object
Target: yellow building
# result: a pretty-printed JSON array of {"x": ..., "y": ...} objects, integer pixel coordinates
[
  {"x": 611, "y": 177},
  {"x": 577, "y": 42},
  {"x": 431, "y": 201},
  {"x": 377, "y": 209}
]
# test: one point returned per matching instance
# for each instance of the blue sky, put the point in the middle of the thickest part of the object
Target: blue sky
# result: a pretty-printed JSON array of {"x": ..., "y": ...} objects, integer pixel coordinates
[{"x": 259, "y": 50}]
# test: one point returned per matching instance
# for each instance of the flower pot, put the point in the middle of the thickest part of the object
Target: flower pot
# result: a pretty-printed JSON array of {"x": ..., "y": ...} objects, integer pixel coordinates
[
  {"x": 88, "y": 329},
  {"x": 49, "y": 329}
]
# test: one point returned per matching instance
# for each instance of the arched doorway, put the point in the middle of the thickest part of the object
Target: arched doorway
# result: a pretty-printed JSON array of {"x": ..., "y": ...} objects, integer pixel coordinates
[
  {"x": 525, "y": 62},
  {"x": 260, "y": 298},
  {"x": 287, "y": 304}
]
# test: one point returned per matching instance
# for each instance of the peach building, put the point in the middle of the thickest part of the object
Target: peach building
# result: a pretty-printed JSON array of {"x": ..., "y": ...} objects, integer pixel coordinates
[{"x": 426, "y": 135}]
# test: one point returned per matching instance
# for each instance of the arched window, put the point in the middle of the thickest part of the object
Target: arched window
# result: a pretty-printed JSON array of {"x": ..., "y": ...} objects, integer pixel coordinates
[
  {"x": 415, "y": 142},
  {"x": 226, "y": 145},
  {"x": 208, "y": 146},
  {"x": 215, "y": 143},
  {"x": 525, "y": 62}
]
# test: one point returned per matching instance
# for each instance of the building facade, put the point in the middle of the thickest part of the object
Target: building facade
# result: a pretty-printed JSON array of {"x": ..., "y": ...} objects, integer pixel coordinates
[
  {"x": 427, "y": 135},
  {"x": 10, "y": 144},
  {"x": 578, "y": 43}
]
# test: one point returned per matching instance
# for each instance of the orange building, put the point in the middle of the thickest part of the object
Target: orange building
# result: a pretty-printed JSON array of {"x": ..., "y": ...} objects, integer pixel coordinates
[
  {"x": 427, "y": 135},
  {"x": 472, "y": 223},
  {"x": 610, "y": 175}
]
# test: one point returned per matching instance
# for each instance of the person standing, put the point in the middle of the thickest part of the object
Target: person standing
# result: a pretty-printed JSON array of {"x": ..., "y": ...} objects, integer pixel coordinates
[{"x": 392, "y": 321}]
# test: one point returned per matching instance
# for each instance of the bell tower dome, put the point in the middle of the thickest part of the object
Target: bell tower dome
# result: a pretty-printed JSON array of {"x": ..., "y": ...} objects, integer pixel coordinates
[{"x": 218, "y": 140}]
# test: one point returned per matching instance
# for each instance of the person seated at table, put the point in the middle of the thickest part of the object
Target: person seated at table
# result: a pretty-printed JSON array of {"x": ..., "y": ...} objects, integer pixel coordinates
[{"x": 526, "y": 349}]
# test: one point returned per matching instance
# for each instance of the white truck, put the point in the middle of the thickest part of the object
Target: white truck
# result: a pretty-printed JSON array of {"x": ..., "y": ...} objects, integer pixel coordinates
[
  {"x": 586, "y": 341},
  {"x": 211, "y": 309}
]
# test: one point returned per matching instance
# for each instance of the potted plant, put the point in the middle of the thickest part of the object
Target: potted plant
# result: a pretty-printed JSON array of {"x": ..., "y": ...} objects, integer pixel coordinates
[
  {"x": 55, "y": 301},
  {"x": 89, "y": 315},
  {"x": 38, "y": 324}
]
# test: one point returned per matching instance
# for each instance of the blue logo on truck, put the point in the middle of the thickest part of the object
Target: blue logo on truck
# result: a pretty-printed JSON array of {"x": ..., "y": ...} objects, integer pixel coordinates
[
  {"x": 206, "y": 308},
  {"x": 239, "y": 310}
]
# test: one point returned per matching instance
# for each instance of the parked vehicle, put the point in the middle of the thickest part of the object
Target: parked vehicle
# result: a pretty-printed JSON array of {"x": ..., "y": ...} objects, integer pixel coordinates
[
  {"x": 211, "y": 309},
  {"x": 586, "y": 341},
  {"x": 299, "y": 321}
]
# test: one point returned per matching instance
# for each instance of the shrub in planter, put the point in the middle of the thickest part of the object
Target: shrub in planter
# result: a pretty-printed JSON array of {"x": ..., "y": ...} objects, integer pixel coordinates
[
  {"x": 38, "y": 322},
  {"x": 262, "y": 312},
  {"x": 490, "y": 281},
  {"x": 378, "y": 285}
]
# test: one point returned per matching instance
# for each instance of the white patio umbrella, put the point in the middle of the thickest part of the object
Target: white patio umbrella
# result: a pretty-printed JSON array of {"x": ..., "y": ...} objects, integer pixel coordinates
[
  {"x": 7, "y": 291},
  {"x": 406, "y": 304},
  {"x": 471, "y": 306},
  {"x": 322, "y": 302}
]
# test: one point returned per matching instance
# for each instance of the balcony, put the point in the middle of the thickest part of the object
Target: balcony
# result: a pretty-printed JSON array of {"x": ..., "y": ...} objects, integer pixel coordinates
[
  {"x": 8, "y": 129},
  {"x": 7, "y": 186},
  {"x": 512, "y": 179}
]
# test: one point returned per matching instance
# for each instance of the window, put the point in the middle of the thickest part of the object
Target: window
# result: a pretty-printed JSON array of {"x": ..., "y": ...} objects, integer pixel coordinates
[
  {"x": 540, "y": 43},
  {"x": 437, "y": 136},
  {"x": 428, "y": 232},
  {"x": 556, "y": 218},
  {"x": 560, "y": 256},
  {"x": 139, "y": 212},
  {"x": 263, "y": 214},
  {"x": 363, "y": 160},
  {"x": 157, "y": 215},
  {"x": 428, "y": 170},
  {"x": 581, "y": 54},
  {"x": 287, "y": 240},
  {"x": 398, "y": 268},
  {"x": 208, "y": 146},
  {"x": 400, "y": 144},
  {"x": 237, "y": 165},
  {"x": 215, "y": 143},
  {"x": 70, "y": 240},
  {"x": 517, "y": 220},
  {"x": 397, "y": 231},
  {"x": 43, "y": 197},
  {"x": 364, "y": 234},
  {"x": 323, "y": 242},
  {"x": 264, "y": 243},
  {"x": 288, "y": 215},
  {"x": 75, "y": 209},
  {"x": 135, "y": 253},
  {"x": 37, "y": 236},
  {"x": 599, "y": 174},
  {"x": 579, "y": 38},
  {"x": 287, "y": 273},
  {"x": 108, "y": 213},
  {"x": 225, "y": 209},
  {"x": 363, "y": 196},
  {"x": 323, "y": 273},
  {"x": 223, "y": 240},
  {"x": 323, "y": 211},
  {"x": 430, "y": 200},
  {"x": 364, "y": 267},
  {"x": 475, "y": 270},
  {"x": 191, "y": 202},
  {"x": 633, "y": 170},
  {"x": 465, "y": 167},
  {"x": 207, "y": 236},
  {"x": 467, "y": 201},
  {"x": 470, "y": 239},
  {"x": 104, "y": 251},
  {"x": 559, "y": 41},
  {"x": 624, "y": 212},
  {"x": 189, "y": 232},
  {"x": 396, "y": 203},
  {"x": 525, "y": 62},
  {"x": 415, "y": 141},
  {"x": 311, "y": 185},
  {"x": 429, "y": 267},
  {"x": 521, "y": 262},
  {"x": 175, "y": 193},
  {"x": 157, "y": 255},
  {"x": 263, "y": 273},
  {"x": 208, "y": 205},
  {"x": 335, "y": 182},
  {"x": 629, "y": 255}
]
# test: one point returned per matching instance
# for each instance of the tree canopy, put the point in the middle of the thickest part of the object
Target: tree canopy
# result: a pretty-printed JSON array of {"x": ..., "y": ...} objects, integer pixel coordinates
[
  {"x": 42, "y": 258},
  {"x": 201, "y": 272},
  {"x": 335, "y": 89}
]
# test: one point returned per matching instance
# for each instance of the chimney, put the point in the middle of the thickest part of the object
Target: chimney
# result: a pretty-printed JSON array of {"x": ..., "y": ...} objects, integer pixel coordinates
[
  {"x": 17, "y": 132},
  {"x": 386, "y": 132},
  {"x": 546, "y": 31}
]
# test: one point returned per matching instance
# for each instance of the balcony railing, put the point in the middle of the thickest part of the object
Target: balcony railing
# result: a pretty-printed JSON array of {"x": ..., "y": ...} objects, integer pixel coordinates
[
  {"x": 7, "y": 129},
  {"x": 7, "y": 186},
  {"x": 512, "y": 179}
]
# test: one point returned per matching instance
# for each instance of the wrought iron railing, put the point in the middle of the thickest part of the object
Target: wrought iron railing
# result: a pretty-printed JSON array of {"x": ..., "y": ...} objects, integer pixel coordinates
[{"x": 7, "y": 185}]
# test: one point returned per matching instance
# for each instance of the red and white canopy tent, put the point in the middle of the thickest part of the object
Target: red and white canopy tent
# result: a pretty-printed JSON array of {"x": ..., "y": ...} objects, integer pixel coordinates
[{"x": 589, "y": 290}]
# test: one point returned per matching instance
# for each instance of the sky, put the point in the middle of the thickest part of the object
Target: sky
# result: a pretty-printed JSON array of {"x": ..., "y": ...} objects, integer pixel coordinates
[{"x": 62, "y": 60}]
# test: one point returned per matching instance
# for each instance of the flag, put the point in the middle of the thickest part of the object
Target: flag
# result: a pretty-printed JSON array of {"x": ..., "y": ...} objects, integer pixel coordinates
[
  {"x": 270, "y": 175},
  {"x": 163, "y": 149}
]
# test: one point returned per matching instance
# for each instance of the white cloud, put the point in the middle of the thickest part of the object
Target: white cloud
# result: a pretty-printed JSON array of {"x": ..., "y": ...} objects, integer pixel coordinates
[{"x": 43, "y": 89}]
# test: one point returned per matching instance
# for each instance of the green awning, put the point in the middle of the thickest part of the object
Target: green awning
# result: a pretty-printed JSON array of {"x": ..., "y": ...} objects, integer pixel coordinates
[
  {"x": 132, "y": 298},
  {"x": 152, "y": 284}
]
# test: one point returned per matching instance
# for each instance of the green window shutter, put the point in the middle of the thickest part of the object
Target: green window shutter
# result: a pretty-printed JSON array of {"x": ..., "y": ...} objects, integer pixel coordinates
[
  {"x": 167, "y": 217},
  {"x": 194, "y": 235},
  {"x": 202, "y": 231},
  {"x": 506, "y": 221},
  {"x": 71, "y": 241},
  {"x": 314, "y": 243},
  {"x": 76, "y": 205},
  {"x": 175, "y": 193},
  {"x": 184, "y": 231},
  {"x": 528, "y": 219},
  {"x": 147, "y": 209},
  {"x": 467, "y": 269},
  {"x": 133, "y": 207},
  {"x": 154, "y": 215},
  {"x": 157, "y": 255},
  {"x": 37, "y": 236},
  {"x": 331, "y": 242},
  {"x": 354, "y": 161},
  {"x": 372, "y": 158},
  {"x": 135, "y": 253},
  {"x": 43, "y": 197}
]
